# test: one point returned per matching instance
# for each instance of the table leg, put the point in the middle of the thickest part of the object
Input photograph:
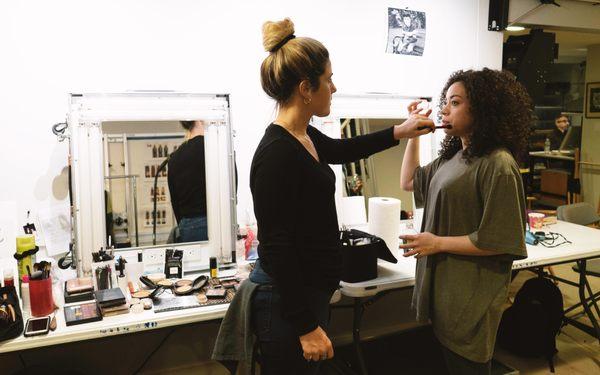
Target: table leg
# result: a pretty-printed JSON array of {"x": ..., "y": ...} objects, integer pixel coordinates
[
  {"x": 592, "y": 297},
  {"x": 582, "y": 284},
  {"x": 358, "y": 312}
]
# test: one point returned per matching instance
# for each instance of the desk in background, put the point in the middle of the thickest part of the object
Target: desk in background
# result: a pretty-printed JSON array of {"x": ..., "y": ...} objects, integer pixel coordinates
[{"x": 558, "y": 182}]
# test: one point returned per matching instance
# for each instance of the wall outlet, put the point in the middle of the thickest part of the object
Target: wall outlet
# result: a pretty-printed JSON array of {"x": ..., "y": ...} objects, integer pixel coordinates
[
  {"x": 154, "y": 257},
  {"x": 193, "y": 259}
]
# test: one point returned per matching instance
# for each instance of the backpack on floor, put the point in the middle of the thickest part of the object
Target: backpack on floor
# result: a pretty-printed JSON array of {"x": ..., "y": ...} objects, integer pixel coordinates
[{"x": 529, "y": 327}]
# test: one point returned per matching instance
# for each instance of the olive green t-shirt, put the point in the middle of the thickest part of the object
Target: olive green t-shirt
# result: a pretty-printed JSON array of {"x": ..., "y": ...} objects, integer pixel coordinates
[{"x": 463, "y": 295}]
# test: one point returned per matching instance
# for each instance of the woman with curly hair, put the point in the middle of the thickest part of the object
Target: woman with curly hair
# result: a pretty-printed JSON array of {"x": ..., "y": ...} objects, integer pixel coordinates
[{"x": 474, "y": 214}]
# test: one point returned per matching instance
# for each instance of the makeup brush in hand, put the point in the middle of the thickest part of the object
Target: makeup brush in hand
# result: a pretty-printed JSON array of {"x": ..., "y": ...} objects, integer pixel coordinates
[{"x": 448, "y": 126}]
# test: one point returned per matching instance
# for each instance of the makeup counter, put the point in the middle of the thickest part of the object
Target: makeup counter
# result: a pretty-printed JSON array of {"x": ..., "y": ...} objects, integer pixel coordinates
[
  {"x": 185, "y": 311},
  {"x": 584, "y": 244},
  {"x": 192, "y": 330}
]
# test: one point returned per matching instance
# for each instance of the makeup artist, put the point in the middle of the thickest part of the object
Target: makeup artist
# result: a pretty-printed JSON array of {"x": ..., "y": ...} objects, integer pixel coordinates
[
  {"x": 474, "y": 214},
  {"x": 293, "y": 191}
]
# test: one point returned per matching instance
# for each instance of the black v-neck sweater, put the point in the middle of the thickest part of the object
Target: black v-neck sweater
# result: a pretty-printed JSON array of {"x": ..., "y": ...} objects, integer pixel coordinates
[
  {"x": 187, "y": 179},
  {"x": 294, "y": 205}
]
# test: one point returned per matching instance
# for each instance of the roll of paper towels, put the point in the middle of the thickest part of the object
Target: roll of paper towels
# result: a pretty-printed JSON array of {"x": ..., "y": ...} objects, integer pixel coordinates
[{"x": 384, "y": 221}]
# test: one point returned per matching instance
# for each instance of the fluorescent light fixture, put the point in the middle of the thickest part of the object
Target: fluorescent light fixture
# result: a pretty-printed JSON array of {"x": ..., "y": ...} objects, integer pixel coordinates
[{"x": 515, "y": 28}]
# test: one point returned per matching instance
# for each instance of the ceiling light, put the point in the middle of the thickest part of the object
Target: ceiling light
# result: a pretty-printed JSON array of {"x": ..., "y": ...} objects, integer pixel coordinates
[{"x": 515, "y": 28}]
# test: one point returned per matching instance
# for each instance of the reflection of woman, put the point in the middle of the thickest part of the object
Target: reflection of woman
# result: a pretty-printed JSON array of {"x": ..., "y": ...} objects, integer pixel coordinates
[
  {"x": 293, "y": 191},
  {"x": 187, "y": 184},
  {"x": 474, "y": 207}
]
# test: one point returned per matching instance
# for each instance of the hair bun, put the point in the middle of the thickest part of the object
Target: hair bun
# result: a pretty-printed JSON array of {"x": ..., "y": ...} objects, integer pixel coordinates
[{"x": 275, "y": 32}]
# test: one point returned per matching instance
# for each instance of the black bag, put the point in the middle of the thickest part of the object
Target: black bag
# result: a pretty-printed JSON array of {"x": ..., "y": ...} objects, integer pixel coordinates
[
  {"x": 11, "y": 319},
  {"x": 529, "y": 327},
  {"x": 360, "y": 251}
]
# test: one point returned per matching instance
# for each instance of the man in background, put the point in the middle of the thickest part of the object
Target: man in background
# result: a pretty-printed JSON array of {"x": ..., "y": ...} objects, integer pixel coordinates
[{"x": 559, "y": 132}]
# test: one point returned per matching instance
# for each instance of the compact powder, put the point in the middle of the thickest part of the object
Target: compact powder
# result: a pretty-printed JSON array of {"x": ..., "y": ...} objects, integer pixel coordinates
[
  {"x": 142, "y": 294},
  {"x": 147, "y": 302},
  {"x": 166, "y": 283},
  {"x": 156, "y": 277},
  {"x": 202, "y": 298},
  {"x": 183, "y": 289},
  {"x": 183, "y": 282}
]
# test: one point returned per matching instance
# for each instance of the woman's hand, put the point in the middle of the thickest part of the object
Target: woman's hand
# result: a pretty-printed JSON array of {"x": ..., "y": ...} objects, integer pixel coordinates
[
  {"x": 421, "y": 244},
  {"x": 416, "y": 125},
  {"x": 316, "y": 346}
]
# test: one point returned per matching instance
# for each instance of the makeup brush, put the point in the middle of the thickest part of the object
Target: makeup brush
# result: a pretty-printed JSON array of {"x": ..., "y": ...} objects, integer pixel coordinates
[{"x": 437, "y": 127}]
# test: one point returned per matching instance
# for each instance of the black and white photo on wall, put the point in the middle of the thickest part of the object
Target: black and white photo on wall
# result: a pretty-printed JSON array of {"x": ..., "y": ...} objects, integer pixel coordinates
[
  {"x": 406, "y": 32},
  {"x": 592, "y": 103}
]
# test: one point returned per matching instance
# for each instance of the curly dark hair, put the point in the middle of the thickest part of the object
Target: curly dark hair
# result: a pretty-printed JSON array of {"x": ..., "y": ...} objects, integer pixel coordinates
[{"x": 502, "y": 114}]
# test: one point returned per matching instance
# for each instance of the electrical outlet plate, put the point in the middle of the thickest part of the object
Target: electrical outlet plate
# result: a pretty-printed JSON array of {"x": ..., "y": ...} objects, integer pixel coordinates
[
  {"x": 193, "y": 259},
  {"x": 154, "y": 256}
]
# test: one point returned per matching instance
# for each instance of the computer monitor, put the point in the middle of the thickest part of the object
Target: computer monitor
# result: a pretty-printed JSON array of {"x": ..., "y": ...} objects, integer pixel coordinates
[{"x": 572, "y": 139}]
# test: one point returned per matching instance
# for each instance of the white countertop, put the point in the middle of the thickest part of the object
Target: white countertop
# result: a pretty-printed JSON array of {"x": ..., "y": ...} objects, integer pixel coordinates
[
  {"x": 585, "y": 244},
  {"x": 552, "y": 155}
]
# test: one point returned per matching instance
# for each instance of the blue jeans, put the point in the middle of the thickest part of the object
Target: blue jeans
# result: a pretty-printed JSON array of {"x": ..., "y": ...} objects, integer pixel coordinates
[
  {"x": 280, "y": 349},
  {"x": 193, "y": 229}
]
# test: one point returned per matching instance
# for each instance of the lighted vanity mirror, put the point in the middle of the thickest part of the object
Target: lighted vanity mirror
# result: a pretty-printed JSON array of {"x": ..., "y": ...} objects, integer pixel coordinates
[
  {"x": 379, "y": 174},
  {"x": 154, "y": 182},
  {"x": 152, "y": 171}
]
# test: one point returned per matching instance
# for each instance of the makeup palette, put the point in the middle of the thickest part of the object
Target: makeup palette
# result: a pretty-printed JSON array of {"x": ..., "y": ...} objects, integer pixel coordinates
[
  {"x": 167, "y": 283},
  {"x": 142, "y": 293},
  {"x": 183, "y": 282},
  {"x": 202, "y": 298},
  {"x": 156, "y": 277},
  {"x": 189, "y": 287},
  {"x": 83, "y": 313},
  {"x": 184, "y": 289}
]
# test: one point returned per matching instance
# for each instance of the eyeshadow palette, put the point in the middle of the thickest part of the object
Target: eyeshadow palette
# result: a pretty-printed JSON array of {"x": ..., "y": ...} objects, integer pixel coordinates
[
  {"x": 170, "y": 302},
  {"x": 83, "y": 313}
]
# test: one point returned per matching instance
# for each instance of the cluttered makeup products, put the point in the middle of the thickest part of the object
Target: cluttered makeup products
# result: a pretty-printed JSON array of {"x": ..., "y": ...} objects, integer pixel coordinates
[
  {"x": 132, "y": 290},
  {"x": 143, "y": 143},
  {"x": 116, "y": 287}
]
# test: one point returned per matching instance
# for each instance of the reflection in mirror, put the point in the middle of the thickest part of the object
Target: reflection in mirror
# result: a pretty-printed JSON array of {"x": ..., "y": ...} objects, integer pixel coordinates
[
  {"x": 379, "y": 174},
  {"x": 154, "y": 182}
]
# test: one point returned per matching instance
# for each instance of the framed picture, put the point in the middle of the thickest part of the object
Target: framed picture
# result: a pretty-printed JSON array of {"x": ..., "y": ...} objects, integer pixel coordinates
[{"x": 592, "y": 100}]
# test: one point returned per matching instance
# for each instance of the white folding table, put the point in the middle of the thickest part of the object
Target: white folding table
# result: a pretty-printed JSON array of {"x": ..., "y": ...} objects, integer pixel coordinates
[{"x": 585, "y": 244}]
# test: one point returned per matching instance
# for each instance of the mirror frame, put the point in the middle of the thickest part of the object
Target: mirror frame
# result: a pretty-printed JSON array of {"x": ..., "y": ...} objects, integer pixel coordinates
[
  {"x": 86, "y": 114},
  {"x": 375, "y": 106}
]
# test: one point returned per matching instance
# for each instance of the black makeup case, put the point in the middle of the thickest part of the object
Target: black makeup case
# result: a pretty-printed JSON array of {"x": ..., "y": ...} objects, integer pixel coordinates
[
  {"x": 360, "y": 251},
  {"x": 11, "y": 318}
]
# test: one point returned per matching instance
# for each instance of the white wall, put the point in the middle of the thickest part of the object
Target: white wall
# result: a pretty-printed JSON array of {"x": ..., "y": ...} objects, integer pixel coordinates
[
  {"x": 52, "y": 48},
  {"x": 590, "y": 137}
]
